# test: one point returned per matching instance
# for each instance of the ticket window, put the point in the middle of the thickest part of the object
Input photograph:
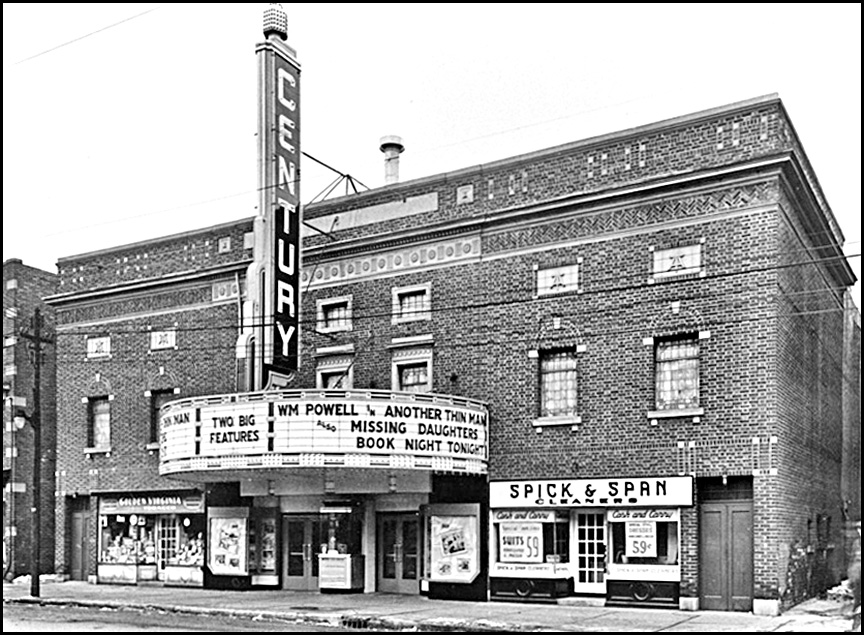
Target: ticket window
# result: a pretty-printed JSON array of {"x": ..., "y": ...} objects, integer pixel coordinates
[
  {"x": 644, "y": 542},
  {"x": 344, "y": 533}
]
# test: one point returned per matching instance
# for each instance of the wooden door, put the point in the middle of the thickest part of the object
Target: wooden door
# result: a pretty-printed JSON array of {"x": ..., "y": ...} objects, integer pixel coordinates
[
  {"x": 80, "y": 559},
  {"x": 726, "y": 555}
]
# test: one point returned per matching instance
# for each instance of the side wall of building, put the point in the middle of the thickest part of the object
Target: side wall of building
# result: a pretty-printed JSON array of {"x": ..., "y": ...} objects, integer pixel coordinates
[
  {"x": 810, "y": 377},
  {"x": 23, "y": 290}
]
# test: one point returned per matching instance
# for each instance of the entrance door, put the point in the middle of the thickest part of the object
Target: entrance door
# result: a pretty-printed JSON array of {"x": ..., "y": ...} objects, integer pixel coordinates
[
  {"x": 79, "y": 562},
  {"x": 399, "y": 553},
  {"x": 302, "y": 537},
  {"x": 167, "y": 542},
  {"x": 726, "y": 555},
  {"x": 590, "y": 546}
]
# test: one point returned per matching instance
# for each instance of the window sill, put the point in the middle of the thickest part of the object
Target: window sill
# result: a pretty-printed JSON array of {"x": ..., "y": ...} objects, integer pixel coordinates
[
  {"x": 334, "y": 329},
  {"x": 92, "y": 451},
  {"x": 676, "y": 413},
  {"x": 404, "y": 319},
  {"x": 574, "y": 421}
]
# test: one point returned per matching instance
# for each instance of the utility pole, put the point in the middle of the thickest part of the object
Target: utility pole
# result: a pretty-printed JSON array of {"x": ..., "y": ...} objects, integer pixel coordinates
[{"x": 36, "y": 341}]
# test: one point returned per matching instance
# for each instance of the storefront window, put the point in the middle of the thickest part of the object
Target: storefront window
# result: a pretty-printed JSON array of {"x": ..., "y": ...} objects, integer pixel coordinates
[
  {"x": 644, "y": 542},
  {"x": 543, "y": 538},
  {"x": 127, "y": 539},
  {"x": 190, "y": 542}
]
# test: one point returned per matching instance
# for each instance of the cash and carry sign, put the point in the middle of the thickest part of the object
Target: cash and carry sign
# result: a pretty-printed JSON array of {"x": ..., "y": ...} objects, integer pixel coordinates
[
  {"x": 279, "y": 184},
  {"x": 292, "y": 427}
]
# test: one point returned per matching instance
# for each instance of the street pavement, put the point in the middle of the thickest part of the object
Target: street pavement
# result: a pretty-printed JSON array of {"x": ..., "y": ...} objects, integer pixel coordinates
[{"x": 379, "y": 611}]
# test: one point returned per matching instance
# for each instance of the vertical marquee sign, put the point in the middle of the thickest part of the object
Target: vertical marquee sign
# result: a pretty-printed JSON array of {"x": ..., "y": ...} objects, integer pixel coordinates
[{"x": 279, "y": 186}]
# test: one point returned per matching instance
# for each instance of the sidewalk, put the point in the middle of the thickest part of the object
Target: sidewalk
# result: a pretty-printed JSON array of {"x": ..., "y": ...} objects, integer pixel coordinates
[{"x": 380, "y": 611}]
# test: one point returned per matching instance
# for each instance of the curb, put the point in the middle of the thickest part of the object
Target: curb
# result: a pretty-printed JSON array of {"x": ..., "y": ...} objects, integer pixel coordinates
[{"x": 338, "y": 620}]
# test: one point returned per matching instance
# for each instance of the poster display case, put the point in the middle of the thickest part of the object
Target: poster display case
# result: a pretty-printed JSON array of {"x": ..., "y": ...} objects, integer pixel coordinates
[
  {"x": 263, "y": 552},
  {"x": 228, "y": 541}
]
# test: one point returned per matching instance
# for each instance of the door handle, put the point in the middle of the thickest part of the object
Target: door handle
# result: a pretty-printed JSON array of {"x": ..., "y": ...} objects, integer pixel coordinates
[{"x": 307, "y": 551}]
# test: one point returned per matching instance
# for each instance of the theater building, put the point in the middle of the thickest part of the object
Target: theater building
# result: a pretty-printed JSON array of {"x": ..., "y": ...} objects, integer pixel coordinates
[
  {"x": 655, "y": 318},
  {"x": 611, "y": 368}
]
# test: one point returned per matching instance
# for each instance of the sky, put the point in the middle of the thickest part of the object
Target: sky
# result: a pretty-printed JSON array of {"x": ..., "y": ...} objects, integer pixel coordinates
[{"x": 124, "y": 122}]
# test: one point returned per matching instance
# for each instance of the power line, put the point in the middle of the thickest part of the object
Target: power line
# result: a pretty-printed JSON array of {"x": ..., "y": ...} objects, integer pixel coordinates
[{"x": 78, "y": 39}]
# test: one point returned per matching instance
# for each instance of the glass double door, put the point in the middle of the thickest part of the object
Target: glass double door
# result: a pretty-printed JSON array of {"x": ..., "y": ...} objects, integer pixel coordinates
[
  {"x": 302, "y": 537},
  {"x": 399, "y": 553}
]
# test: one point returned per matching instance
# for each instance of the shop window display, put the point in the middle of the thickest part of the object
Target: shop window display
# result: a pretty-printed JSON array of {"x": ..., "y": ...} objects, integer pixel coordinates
[
  {"x": 646, "y": 543},
  {"x": 128, "y": 540},
  {"x": 190, "y": 543}
]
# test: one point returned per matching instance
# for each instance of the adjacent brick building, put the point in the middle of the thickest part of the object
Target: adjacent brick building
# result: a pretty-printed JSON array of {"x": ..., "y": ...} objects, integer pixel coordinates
[
  {"x": 654, "y": 317},
  {"x": 23, "y": 290}
]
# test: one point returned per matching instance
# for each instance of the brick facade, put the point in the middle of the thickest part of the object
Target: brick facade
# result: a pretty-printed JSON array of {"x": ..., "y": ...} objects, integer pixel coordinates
[
  {"x": 179, "y": 283},
  {"x": 766, "y": 306}
]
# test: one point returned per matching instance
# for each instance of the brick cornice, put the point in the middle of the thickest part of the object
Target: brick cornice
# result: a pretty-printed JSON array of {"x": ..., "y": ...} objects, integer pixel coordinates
[
  {"x": 147, "y": 285},
  {"x": 555, "y": 209}
]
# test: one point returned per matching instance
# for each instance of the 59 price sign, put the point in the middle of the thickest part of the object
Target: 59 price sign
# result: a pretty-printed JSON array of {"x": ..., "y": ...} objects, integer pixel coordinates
[{"x": 641, "y": 539}]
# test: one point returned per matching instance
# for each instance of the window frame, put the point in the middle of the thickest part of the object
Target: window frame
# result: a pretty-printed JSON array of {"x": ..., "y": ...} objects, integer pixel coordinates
[
  {"x": 677, "y": 406},
  {"x": 321, "y": 314},
  {"x": 153, "y": 398},
  {"x": 92, "y": 403},
  {"x": 398, "y": 293},
  {"x": 345, "y": 369},
  {"x": 404, "y": 358},
  {"x": 572, "y": 418}
]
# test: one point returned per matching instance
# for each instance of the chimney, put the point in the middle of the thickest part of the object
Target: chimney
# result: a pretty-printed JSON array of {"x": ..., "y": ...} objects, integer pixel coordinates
[{"x": 392, "y": 147}]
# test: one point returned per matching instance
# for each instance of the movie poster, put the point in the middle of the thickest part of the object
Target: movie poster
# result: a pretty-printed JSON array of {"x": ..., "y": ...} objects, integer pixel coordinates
[
  {"x": 455, "y": 549},
  {"x": 228, "y": 545}
]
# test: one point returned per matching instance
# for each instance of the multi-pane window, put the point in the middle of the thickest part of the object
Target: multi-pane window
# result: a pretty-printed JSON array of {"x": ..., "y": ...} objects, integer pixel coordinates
[
  {"x": 334, "y": 314},
  {"x": 414, "y": 377},
  {"x": 158, "y": 398},
  {"x": 677, "y": 373},
  {"x": 99, "y": 423},
  {"x": 412, "y": 303},
  {"x": 558, "y": 383}
]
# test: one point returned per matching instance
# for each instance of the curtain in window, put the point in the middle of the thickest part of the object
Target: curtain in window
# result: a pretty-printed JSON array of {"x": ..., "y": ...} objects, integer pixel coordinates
[
  {"x": 101, "y": 423},
  {"x": 677, "y": 374},
  {"x": 558, "y": 383},
  {"x": 414, "y": 378}
]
